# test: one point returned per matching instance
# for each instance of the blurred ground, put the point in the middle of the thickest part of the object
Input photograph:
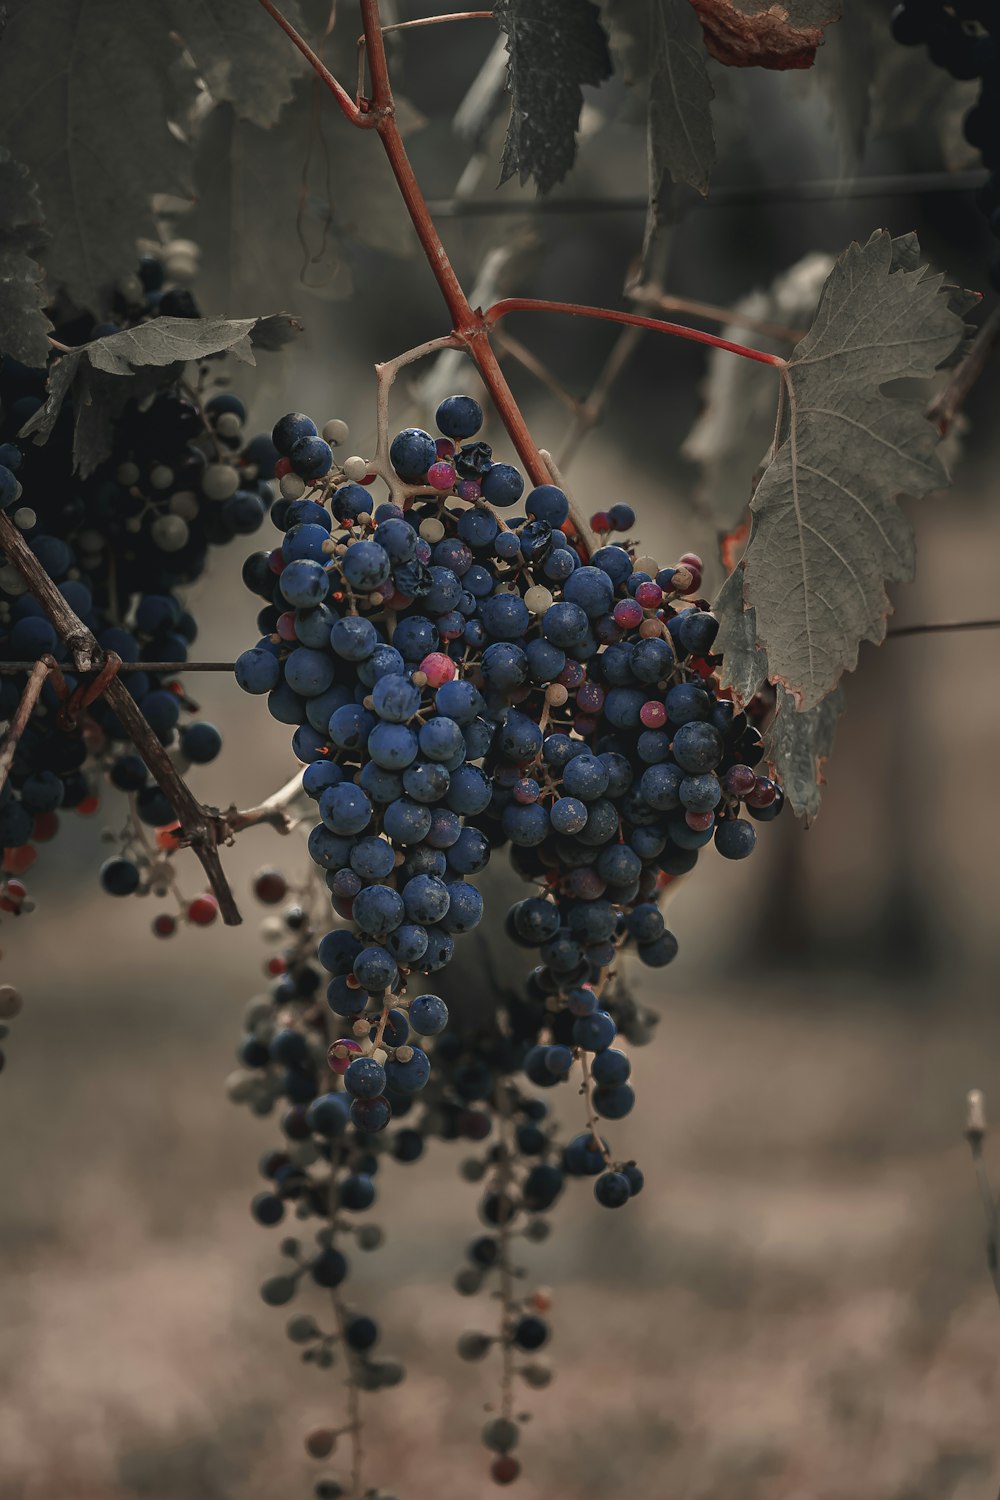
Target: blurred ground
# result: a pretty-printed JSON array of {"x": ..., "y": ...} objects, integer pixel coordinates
[{"x": 797, "y": 1305}]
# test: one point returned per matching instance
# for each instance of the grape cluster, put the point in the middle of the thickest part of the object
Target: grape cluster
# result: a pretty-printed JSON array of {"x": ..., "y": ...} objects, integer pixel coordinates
[
  {"x": 963, "y": 36},
  {"x": 120, "y": 545},
  {"x": 328, "y": 1164},
  {"x": 456, "y": 684}
]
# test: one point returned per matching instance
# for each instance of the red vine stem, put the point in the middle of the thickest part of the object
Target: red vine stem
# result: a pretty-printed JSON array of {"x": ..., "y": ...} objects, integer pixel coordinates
[
  {"x": 344, "y": 101},
  {"x": 636, "y": 320}
]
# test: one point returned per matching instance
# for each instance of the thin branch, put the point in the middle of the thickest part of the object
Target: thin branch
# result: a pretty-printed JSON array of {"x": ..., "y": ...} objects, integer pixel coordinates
[
  {"x": 581, "y": 527},
  {"x": 610, "y": 315},
  {"x": 19, "y": 720},
  {"x": 975, "y": 1134},
  {"x": 344, "y": 101},
  {"x": 541, "y": 372},
  {"x": 201, "y": 827},
  {"x": 504, "y": 1183},
  {"x": 940, "y": 627},
  {"x": 385, "y": 374},
  {"x": 948, "y": 402},
  {"x": 467, "y": 324},
  {"x": 12, "y": 668},
  {"x": 590, "y": 411},
  {"x": 458, "y": 15},
  {"x": 592, "y": 1113},
  {"x": 272, "y": 810},
  {"x": 651, "y": 297}
]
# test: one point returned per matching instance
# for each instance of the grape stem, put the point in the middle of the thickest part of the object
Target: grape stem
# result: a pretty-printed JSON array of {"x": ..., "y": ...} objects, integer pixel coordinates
[
  {"x": 19, "y": 720},
  {"x": 470, "y": 327},
  {"x": 591, "y": 1115},
  {"x": 385, "y": 375},
  {"x": 651, "y": 296},
  {"x": 355, "y": 1426},
  {"x": 202, "y": 828},
  {"x": 975, "y": 1134},
  {"x": 273, "y": 809},
  {"x": 508, "y": 305},
  {"x": 504, "y": 1182},
  {"x": 946, "y": 405}
]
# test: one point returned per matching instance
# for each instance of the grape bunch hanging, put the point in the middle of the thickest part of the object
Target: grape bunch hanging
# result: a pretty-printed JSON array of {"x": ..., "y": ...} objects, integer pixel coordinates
[
  {"x": 121, "y": 545},
  {"x": 460, "y": 679}
]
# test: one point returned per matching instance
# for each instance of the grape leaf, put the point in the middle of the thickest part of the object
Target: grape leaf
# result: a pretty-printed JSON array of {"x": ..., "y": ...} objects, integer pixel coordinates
[
  {"x": 87, "y": 93},
  {"x": 165, "y": 341},
  {"x": 744, "y": 660},
  {"x": 680, "y": 141},
  {"x": 798, "y": 745},
  {"x": 23, "y": 324},
  {"x": 760, "y": 34},
  {"x": 239, "y": 52},
  {"x": 731, "y": 436},
  {"x": 828, "y": 534},
  {"x": 108, "y": 372},
  {"x": 658, "y": 43},
  {"x": 84, "y": 102},
  {"x": 554, "y": 48}
]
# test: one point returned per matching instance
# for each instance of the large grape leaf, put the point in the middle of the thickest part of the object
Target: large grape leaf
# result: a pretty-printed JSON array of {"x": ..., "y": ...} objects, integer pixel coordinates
[
  {"x": 680, "y": 141},
  {"x": 23, "y": 324},
  {"x": 828, "y": 533},
  {"x": 658, "y": 44},
  {"x": 798, "y": 745},
  {"x": 554, "y": 48},
  {"x": 108, "y": 372},
  {"x": 88, "y": 91},
  {"x": 85, "y": 99},
  {"x": 237, "y": 48}
]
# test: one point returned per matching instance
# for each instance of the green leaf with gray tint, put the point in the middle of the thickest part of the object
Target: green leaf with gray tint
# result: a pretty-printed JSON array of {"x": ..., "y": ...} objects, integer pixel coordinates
[
  {"x": 828, "y": 531},
  {"x": 798, "y": 745},
  {"x": 554, "y": 47}
]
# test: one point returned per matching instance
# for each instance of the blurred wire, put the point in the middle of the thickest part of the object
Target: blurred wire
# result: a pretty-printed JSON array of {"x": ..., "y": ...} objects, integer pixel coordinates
[{"x": 823, "y": 189}]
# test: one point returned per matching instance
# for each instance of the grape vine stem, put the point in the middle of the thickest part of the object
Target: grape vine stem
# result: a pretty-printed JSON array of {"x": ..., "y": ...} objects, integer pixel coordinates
[
  {"x": 202, "y": 828},
  {"x": 508, "y": 305},
  {"x": 504, "y": 1184},
  {"x": 470, "y": 327},
  {"x": 273, "y": 809},
  {"x": 946, "y": 405},
  {"x": 19, "y": 720},
  {"x": 975, "y": 1134},
  {"x": 385, "y": 375}
]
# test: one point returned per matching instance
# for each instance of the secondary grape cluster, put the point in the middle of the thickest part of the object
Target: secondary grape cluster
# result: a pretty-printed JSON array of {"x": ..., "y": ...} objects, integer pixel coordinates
[
  {"x": 326, "y": 1170},
  {"x": 120, "y": 545},
  {"x": 963, "y": 36}
]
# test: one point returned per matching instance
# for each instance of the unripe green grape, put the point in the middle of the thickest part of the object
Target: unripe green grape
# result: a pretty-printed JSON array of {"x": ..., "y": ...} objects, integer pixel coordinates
[
  {"x": 501, "y": 1434},
  {"x": 277, "y": 1290},
  {"x": 472, "y": 1346},
  {"x": 302, "y": 1329},
  {"x": 219, "y": 481}
]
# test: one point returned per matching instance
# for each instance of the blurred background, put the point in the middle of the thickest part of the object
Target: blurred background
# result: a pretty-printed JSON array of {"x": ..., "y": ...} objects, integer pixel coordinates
[{"x": 798, "y": 1305}]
